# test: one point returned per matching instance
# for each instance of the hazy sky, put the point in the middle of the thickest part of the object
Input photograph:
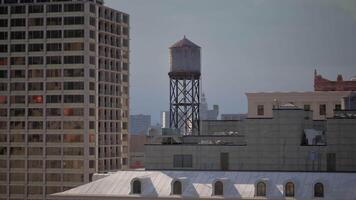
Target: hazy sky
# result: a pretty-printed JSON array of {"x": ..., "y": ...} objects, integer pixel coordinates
[{"x": 247, "y": 46}]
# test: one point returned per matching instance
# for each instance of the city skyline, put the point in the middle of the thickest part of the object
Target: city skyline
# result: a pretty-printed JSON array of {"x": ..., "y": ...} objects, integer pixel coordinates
[{"x": 256, "y": 46}]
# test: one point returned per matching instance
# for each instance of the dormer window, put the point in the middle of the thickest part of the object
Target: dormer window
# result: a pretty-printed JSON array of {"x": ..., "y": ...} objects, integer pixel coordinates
[
  {"x": 261, "y": 189},
  {"x": 318, "y": 190},
  {"x": 136, "y": 187},
  {"x": 177, "y": 188},
  {"x": 218, "y": 188},
  {"x": 289, "y": 189}
]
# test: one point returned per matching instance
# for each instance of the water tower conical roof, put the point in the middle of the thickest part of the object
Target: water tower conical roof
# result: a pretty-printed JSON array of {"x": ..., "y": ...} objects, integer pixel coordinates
[{"x": 184, "y": 43}]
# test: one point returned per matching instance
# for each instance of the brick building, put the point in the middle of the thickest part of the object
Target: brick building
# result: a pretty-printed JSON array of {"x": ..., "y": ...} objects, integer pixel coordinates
[{"x": 323, "y": 84}]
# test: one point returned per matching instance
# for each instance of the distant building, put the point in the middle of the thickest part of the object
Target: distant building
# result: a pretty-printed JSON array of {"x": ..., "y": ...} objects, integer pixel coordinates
[
  {"x": 165, "y": 119},
  {"x": 139, "y": 124},
  {"x": 233, "y": 116},
  {"x": 323, "y": 84},
  {"x": 322, "y": 103},
  {"x": 205, "y": 113}
]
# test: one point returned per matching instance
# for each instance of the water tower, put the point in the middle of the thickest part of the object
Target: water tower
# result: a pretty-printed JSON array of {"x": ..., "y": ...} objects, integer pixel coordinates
[{"x": 184, "y": 87}]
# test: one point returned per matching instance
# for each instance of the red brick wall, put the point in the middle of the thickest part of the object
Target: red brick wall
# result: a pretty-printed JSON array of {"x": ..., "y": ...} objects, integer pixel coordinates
[{"x": 322, "y": 84}]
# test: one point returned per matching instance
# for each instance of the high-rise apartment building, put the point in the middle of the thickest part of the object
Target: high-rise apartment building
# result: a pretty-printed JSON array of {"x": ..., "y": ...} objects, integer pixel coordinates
[{"x": 64, "y": 93}]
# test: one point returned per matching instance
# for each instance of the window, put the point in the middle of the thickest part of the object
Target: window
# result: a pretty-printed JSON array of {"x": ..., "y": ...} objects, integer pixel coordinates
[
  {"x": 54, "y": 21},
  {"x": 322, "y": 109},
  {"x": 53, "y": 85},
  {"x": 73, "y": 98},
  {"x": 177, "y": 188},
  {"x": 35, "y": 73},
  {"x": 3, "y": 86},
  {"x": 35, "y": 60},
  {"x": 35, "y": 35},
  {"x": 73, "y": 20},
  {"x": 73, "y": 72},
  {"x": 17, "y": 112},
  {"x": 3, "y": 23},
  {"x": 3, "y": 35},
  {"x": 35, "y": 99},
  {"x": 17, "y": 99},
  {"x": 35, "y": 112},
  {"x": 34, "y": 86},
  {"x": 136, "y": 187},
  {"x": 18, "y": 48},
  {"x": 260, "y": 110},
  {"x": 18, "y": 35},
  {"x": 54, "y": 47},
  {"x": 3, "y": 48},
  {"x": 53, "y": 73},
  {"x": 53, "y": 177},
  {"x": 73, "y": 125},
  {"x": 182, "y": 161},
  {"x": 53, "y": 59},
  {"x": 261, "y": 189},
  {"x": 73, "y": 85},
  {"x": 18, "y": 9},
  {"x": 54, "y": 34},
  {"x": 35, "y": 125},
  {"x": 73, "y": 7},
  {"x": 53, "y": 164},
  {"x": 35, "y": 137},
  {"x": 318, "y": 190},
  {"x": 307, "y": 107},
  {"x": 18, "y": 73},
  {"x": 53, "y": 138},
  {"x": 17, "y": 61},
  {"x": 54, "y": 99},
  {"x": 35, "y": 9},
  {"x": 75, "y": 46},
  {"x": 337, "y": 107},
  {"x": 73, "y": 59},
  {"x": 53, "y": 151},
  {"x": 35, "y": 47},
  {"x": 289, "y": 189},
  {"x": 73, "y": 33},
  {"x": 18, "y": 22},
  {"x": 54, "y": 8},
  {"x": 35, "y": 22},
  {"x": 53, "y": 112},
  {"x": 3, "y": 61},
  {"x": 35, "y": 151},
  {"x": 53, "y": 125},
  {"x": 73, "y": 111},
  {"x": 3, "y": 10},
  {"x": 218, "y": 188},
  {"x": 18, "y": 86},
  {"x": 35, "y": 177}
]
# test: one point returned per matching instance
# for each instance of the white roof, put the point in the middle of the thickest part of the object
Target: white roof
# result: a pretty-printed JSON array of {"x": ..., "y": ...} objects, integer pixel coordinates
[{"x": 198, "y": 184}]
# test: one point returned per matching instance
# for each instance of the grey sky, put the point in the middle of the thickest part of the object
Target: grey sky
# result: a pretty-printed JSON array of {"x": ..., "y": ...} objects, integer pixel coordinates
[{"x": 247, "y": 45}]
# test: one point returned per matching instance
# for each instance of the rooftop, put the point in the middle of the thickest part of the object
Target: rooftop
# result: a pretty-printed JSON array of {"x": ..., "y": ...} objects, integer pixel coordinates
[{"x": 198, "y": 184}]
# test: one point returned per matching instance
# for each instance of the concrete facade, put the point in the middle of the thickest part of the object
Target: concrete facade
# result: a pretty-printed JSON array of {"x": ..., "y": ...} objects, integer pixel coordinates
[
  {"x": 64, "y": 93},
  {"x": 322, "y": 103},
  {"x": 276, "y": 143}
]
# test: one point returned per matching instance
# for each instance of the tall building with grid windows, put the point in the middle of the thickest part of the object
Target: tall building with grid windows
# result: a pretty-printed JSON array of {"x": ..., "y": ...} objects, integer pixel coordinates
[{"x": 64, "y": 93}]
